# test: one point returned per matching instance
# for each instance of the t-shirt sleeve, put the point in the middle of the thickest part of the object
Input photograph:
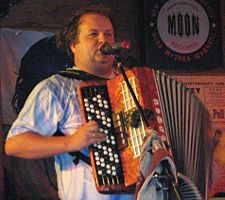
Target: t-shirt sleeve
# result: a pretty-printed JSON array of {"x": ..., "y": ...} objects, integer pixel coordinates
[{"x": 41, "y": 113}]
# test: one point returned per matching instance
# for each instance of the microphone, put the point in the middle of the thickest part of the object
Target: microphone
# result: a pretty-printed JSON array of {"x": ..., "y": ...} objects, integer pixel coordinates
[{"x": 115, "y": 48}]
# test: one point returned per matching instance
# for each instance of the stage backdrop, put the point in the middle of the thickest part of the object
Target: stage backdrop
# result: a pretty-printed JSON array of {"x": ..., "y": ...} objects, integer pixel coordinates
[
  {"x": 183, "y": 34},
  {"x": 23, "y": 179}
]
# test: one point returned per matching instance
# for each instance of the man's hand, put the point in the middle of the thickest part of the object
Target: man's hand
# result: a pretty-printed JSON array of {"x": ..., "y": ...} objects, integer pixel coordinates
[{"x": 86, "y": 135}]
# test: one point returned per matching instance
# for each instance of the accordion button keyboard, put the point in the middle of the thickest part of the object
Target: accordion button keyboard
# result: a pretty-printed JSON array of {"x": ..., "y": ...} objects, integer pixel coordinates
[{"x": 107, "y": 161}]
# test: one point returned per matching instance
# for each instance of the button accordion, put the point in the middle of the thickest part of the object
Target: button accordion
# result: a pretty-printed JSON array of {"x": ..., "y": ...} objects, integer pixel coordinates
[{"x": 175, "y": 113}]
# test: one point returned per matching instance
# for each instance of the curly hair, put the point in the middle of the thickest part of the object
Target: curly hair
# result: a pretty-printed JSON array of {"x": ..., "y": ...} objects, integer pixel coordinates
[{"x": 70, "y": 32}]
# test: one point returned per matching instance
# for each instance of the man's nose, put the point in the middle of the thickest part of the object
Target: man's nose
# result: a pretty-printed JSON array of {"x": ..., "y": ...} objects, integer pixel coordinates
[{"x": 102, "y": 38}]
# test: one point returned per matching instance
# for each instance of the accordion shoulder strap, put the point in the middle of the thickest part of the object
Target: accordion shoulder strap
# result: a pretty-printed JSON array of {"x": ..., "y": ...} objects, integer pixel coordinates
[{"x": 79, "y": 75}]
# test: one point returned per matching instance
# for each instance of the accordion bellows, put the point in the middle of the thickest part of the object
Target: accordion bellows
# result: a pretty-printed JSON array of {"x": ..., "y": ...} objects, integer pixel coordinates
[{"x": 174, "y": 112}]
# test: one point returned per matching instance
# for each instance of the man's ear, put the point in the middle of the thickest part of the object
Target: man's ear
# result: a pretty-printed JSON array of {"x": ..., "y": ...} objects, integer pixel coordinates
[{"x": 73, "y": 47}]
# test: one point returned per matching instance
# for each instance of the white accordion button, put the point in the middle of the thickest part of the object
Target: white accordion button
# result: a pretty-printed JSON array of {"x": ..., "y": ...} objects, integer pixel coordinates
[
  {"x": 102, "y": 164},
  {"x": 86, "y": 104},
  {"x": 100, "y": 105},
  {"x": 99, "y": 172},
  {"x": 109, "y": 149},
  {"x": 111, "y": 159},
  {"x": 85, "y": 100},
  {"x": 114, "y": 173},
  {"x": 99, "y": 96},
  {"x": 98, "y": 116}
]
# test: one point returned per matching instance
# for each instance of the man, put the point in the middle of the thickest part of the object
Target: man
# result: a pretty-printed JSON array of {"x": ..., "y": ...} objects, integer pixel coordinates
[{"x": 53, "y": 105}]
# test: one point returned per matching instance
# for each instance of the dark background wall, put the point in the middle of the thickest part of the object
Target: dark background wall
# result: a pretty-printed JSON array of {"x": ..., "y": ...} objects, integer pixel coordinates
[{"x": 50, "y": 16}]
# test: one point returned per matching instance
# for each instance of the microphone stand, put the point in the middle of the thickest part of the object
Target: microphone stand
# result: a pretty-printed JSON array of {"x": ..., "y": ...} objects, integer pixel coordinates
[{"x": 168, "y": 180}]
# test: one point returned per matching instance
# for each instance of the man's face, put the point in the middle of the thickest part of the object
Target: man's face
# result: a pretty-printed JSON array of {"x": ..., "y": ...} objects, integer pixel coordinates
[{"x": 93, "y": 32}]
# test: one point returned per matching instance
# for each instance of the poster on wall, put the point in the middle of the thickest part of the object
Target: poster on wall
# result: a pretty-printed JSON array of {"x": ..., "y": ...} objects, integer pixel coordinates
[{"x": 183, "y": 34}]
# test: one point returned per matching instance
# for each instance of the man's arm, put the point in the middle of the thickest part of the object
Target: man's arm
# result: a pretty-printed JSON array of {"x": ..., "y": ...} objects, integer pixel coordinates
[{"x": 31, "y": 145}]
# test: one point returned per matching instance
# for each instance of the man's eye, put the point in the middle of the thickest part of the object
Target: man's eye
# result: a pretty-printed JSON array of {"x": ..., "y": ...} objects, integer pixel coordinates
[
  {"x": 109, "y": 35},
  {"x": 93, "y": 34}
]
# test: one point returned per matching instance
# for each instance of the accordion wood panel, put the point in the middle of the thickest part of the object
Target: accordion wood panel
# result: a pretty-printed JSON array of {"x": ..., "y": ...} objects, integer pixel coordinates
[{"x": 175, "y": 113}]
